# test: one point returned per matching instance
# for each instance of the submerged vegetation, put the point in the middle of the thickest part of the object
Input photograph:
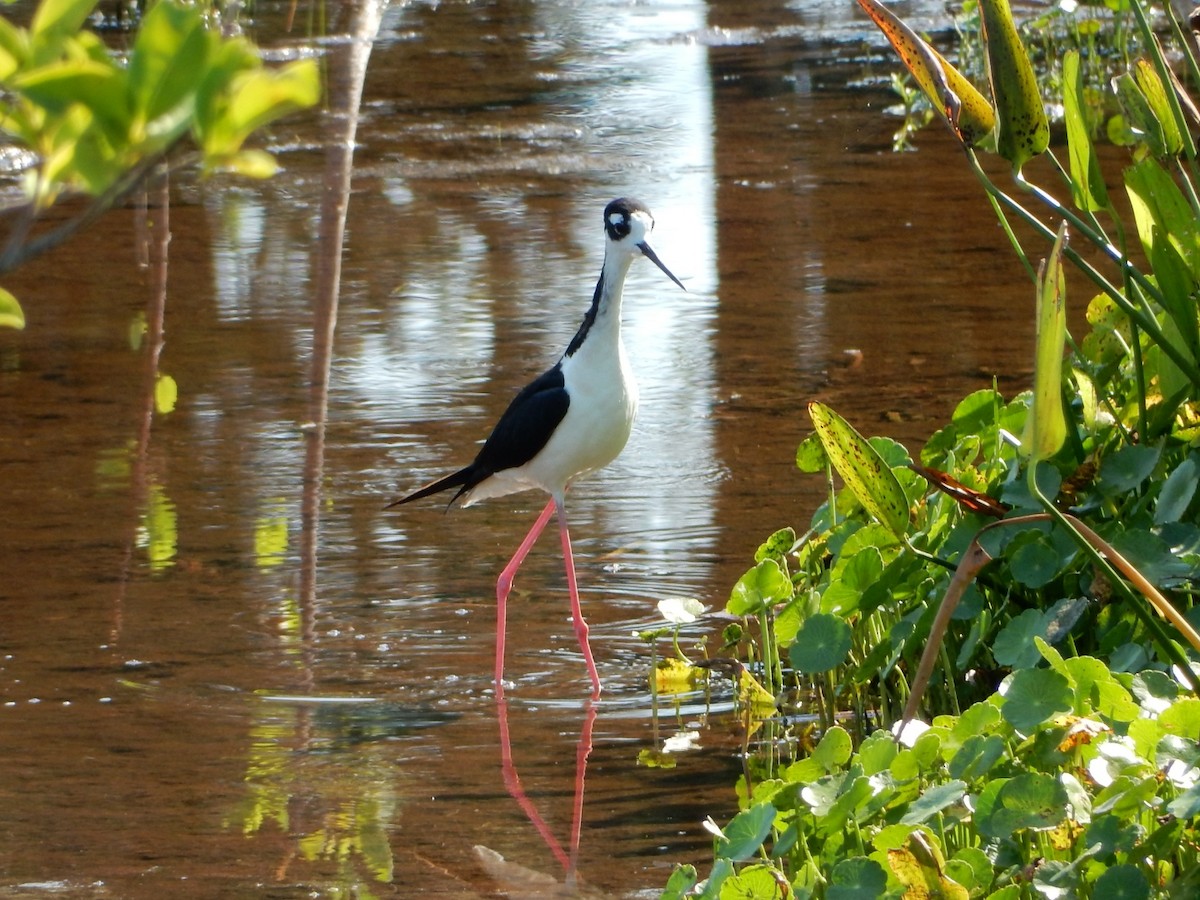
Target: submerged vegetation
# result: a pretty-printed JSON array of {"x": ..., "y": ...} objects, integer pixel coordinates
[{"x": 1035, "y": 563}]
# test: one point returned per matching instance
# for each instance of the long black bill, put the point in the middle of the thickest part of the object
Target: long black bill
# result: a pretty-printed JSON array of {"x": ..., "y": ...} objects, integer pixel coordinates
[{"x": 653, "y": 257}]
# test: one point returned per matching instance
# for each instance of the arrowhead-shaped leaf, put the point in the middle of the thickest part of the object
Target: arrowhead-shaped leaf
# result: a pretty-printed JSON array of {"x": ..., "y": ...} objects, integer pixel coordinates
[
  {"x": 863, "y": 470},
  {"x": 1022, "y": 130},
  {"x": 964, "y": 108}
]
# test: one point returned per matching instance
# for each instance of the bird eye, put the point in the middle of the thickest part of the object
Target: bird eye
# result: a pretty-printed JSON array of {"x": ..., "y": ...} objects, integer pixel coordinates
[{"x": 618, "y": 225}]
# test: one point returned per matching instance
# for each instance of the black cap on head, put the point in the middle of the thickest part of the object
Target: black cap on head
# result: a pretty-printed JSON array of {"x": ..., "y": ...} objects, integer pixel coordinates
[{"x": 618, "y": 214}]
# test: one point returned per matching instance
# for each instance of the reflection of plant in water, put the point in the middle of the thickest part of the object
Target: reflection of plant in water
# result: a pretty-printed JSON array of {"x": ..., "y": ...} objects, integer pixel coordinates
[
  {"x": 158, "y": 534},
  {"x": 914, "y": 110},
  {"x": 333, "y": 807}
]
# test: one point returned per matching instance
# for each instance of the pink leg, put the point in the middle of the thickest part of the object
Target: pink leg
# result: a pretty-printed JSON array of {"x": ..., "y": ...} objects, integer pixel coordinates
[
  {"x": 504, "y": 586},
  {"x": 581, "y": 629}
]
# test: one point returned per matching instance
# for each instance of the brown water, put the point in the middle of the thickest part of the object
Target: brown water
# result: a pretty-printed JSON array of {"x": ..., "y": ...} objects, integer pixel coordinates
[{"x": 226, "y": 671}]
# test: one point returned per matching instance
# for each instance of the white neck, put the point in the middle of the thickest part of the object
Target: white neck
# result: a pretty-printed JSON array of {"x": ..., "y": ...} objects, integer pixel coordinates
[{"x": 602, "y": 322}]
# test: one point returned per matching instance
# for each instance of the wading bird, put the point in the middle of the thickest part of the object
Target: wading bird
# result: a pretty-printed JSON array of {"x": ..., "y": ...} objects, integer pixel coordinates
[{"x": 573, "y": 419}]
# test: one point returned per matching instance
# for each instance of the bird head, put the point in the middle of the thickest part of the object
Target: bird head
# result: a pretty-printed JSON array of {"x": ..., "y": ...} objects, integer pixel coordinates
[{"x": 628, "y": 223}]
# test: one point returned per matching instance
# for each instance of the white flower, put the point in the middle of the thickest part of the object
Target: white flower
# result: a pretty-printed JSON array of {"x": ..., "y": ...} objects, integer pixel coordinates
[
  {"x": 680, "y": 611},
  {"x": 682, "y": 742}
]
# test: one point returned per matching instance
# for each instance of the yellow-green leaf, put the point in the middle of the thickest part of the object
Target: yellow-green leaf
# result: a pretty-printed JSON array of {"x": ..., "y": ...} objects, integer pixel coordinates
[
  {"x": 863, "y": 470},
  {"x": 1022, "y": 130},
  {"x": 753, "y": 698},
  {"x": 1155, "y": 93},
  {"x": 271, "y": 539},
  {"x": 14, "y": 48},
  {"x": 54, "y": 19},
  {"x": 1046, "y": 428},
  {"x": 166, "y": 392},
  {"x": 964, "y": 108},
  {"x": 259, "y": 97},
  {"x": 1087, "y": 181},
  {"x": 674, "y": 676},
  {"x": 11, "y": 314},
  {"x": 251, "y": 164}
]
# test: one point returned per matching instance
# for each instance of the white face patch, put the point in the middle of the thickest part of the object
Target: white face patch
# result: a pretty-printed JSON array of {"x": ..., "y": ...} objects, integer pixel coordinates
[{"x": 640, "y": 225}]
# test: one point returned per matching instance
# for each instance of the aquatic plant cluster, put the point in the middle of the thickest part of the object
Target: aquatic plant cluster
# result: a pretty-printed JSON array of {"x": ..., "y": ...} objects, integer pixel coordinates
[{"x": 1002, "y": 710}]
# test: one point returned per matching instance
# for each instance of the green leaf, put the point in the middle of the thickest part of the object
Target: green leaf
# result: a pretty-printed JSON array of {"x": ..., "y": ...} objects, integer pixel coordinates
[
  {"x": 722, "y": 869},
  {"x": 1177, "y": 492},
  {"x": 682, "y": 880},
  {"x": 1022, "y": 130},
  {"x": 756, "y": 882},
  {"x": 1139, "y": 116},
  {"x": 1031, "y": 800},
  {"x": 1161, "y": 210},
  {"x": 1033, "y": 697},
  {"x": 172, "y": 46},
  {"x": 1046, "y": 428},
  {"x": 764, "y": 585},
  {"x": 1182, "y": 718},
  {"x": 257, "y": 164},
  {"x": 1187, "y": 804},
  {"x": 1097, "y": 691},
  {"x": 1034, "y": 563},
  {"x": 98, "y": 86},
  {"x": 933, "y": 801},
  {"x": 1122, "y": 882},
  {"x": 11, "y": 314},
  {"x": 971, "y": 868},
  {"x": 835, "y": 748},
  {"x": 866, "y": 475},
  {"x": 877, "y": 752},
  {"x": 746, "y": 833},
  {"x": 777, "y": 546},
  {"x": 857, "y": 878},
  {"x": 976, "y": 756},
  {"x": 821, "y": 644},
  {"x": 55, "y": 19},
  {"x": 810, "y": 455},
  {"x": 14, "y": 48},
  {"x": 1087, "y": 180},
  {"x": 850, "y": 579},
  {"x": 1127, "y": 468}
]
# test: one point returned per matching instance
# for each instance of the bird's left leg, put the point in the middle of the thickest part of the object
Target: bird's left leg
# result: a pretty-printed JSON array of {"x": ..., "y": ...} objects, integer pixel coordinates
[
  {"x": 581, "y": 628},
  {"x": 504, "y": 587}
]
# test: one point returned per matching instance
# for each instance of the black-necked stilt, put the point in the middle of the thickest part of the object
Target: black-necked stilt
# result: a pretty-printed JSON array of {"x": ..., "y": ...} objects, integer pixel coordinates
[{"x": 573, "y": 419}]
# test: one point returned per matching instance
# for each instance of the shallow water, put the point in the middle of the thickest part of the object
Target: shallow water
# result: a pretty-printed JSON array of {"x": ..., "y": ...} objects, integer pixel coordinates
[{"x": 226, "y": 670}]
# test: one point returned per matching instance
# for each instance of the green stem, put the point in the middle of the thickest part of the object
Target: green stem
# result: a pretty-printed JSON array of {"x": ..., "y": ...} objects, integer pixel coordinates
[{"x": 1141, "y": 316}]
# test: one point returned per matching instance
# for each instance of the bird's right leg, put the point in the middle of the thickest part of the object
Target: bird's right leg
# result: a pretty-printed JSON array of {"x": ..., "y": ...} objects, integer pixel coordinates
[{"x": 504, "y": 587}]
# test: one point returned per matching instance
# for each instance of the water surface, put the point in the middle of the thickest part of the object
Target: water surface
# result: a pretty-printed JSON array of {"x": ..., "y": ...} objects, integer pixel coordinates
[{"x": 209, "y": 688}]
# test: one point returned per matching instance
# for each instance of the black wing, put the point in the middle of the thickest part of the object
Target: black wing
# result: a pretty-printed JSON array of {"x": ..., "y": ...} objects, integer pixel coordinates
[{"x": 518, "y": 437}]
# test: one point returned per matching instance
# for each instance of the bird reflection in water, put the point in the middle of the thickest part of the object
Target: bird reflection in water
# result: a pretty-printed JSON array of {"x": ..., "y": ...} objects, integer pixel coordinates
[{"x": 513, "y": 878}]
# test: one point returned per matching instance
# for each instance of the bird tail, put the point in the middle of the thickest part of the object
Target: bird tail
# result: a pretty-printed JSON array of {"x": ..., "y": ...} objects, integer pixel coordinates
[{"x": 460, "y": 479}]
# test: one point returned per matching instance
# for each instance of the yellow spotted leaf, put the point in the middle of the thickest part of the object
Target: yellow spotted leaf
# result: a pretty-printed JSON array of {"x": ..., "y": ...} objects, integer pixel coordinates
[
  {"x": 964, "y": 108},
  {"x": 1022, "y": 130},
  {"x": 864, "y": 471}
]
